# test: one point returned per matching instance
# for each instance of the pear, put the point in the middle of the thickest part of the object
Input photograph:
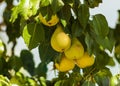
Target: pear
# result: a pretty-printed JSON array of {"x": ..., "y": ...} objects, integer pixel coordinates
[
  {"x": 85, "y": 61},
  {"x": 76, "y": 50},
  {"x": 65, "y": 64},
  {"x": 60, "y": 41},
  {"x": 53, "y": 21}
]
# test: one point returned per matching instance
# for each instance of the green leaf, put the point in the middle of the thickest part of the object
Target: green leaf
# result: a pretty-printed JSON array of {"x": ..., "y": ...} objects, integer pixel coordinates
[
  {"x": 31, "y": 82},
  {"x": 58, "y": 83},
  {"x": 88, "y": 83},
  {"x": 100, "y": 25},
  {"x": 105, "y": 72},
  {"x": 68, "y": 1},
  {"x": 2, "y": 48},
  {"x": 65, "y": 15},
  {"x": 3, "y": 65},
  {"x": 62, "y": 83},
  {"x": 43, "y": 81},
  {"x": 15, "y": 63},
  {"x": 83, "y": 15},
  {"x": 46, "y": 52},
  {"x": 27, "y": 60},
  {"x": 75, "y": 77},
  {"x": 89, "y": 42},
  {"x": 44, "y": 3},
  {"x": 111, "y": 62},
  {"x": 76, "y": 29},
  {"x": 41, "y": 69},
  {"x": 100, "y": 56},
  {"x": 106, "y": 43},
  {"x": 117, "y": 33},
  {"x": 56, "y": 5},
  {"x": 75, "y": 4},
  {"x": 115, "y": 80},
  {"x": 93, "y": 3},
  {"x": 117, "y": 57},
  {"x": 12, "y": 29},
  {"x": 102, "y": 81},
  {"x": 102, "y": 77},
  {"x": 33, "y": 34}
]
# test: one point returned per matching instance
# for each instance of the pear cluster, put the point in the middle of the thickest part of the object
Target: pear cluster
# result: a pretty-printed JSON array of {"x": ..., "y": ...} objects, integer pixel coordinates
[{"x": 72, "y": 49}]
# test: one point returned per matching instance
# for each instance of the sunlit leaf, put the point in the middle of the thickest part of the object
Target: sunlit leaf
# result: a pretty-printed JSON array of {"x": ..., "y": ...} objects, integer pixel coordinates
[
  {"x": 4, "y": 81},
  {"x": 33, "y": 34},
  {"x": 58, "y": 83},
  {"x": 43, "y": 81},
  {"x": 44, "y": 3},
  {"x": 35, "y": 6},
  {"x": 25, "y": 8}
]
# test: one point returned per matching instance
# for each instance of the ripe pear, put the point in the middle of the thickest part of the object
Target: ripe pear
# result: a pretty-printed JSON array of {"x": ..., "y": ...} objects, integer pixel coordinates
[
  {"x": 76, "y": 50},
  {"x": 65, "y": 64},
  {"x": 53, "y": 21},
  {"x": 85, "y": 61},
  {"x": 60, "y": 41}
]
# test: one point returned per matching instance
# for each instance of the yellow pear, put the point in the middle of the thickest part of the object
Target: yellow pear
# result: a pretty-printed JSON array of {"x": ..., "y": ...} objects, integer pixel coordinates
[
  {"x": 76, "y": 50},
  {"x": 53, "y": 21},
  {"x": 60, "y": 41},
  {"x": 65, "y": 64},
  {"x": 85, "y": 61}
]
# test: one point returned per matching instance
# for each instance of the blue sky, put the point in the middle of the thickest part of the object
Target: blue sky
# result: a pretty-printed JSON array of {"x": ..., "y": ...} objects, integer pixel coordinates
[{"x": 109, "y": 9}]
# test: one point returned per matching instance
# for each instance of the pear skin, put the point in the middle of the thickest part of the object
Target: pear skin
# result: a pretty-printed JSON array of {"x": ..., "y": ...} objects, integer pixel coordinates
[
  {"x": 53, "y": 21},
  {"x": 60, "y": 41},
  {"x": 85, "y": 61},
  {"x": 76, "y": 50},
  {"x": 65, "y": 64}
]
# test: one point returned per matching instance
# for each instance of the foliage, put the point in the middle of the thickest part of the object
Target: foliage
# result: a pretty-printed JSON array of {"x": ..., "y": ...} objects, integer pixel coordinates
[{"x": 96, "y": 36}]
